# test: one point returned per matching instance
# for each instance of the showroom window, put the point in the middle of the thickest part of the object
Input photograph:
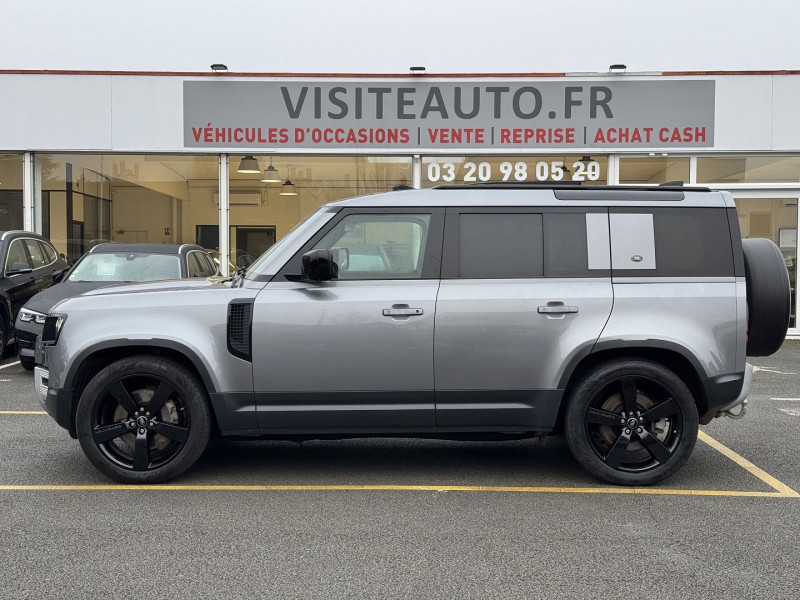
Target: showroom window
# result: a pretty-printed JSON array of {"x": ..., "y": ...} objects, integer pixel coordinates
[
  {"x": 270, "y": 194},
  {"x": 89, "y": 199},
  {"x": 653, "y": 169},
  {"x": 748, "y": 169},
  {"x": 11, "y": 192}
]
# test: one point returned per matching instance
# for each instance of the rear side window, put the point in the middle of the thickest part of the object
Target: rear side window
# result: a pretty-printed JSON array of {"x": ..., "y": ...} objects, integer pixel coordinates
[
  {"x": 38, "y": 258},
  {"x": 500, "y": 246},
  {"x": 680, "y": 242}
]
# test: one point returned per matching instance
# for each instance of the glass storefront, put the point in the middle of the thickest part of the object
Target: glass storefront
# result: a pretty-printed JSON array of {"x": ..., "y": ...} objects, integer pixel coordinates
[
  {"x": 11, "y": 192},
  {"x": 653, "y": 169},
  {"x": 774, "y": 219},
  {"x": 748, "y": 169},
  {"x": 88, "y": 199}
]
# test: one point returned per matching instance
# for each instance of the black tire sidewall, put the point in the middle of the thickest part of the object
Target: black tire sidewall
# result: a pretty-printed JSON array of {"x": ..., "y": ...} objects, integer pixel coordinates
[
  {"x": 192, "y": 395},
  {"x": 598, "y": 378},
  {"x": 27, "y": 362}
]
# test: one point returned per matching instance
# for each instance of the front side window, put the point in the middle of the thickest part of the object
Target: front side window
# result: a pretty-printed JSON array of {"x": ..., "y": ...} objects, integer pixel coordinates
[
  {"x": 388, "y": 246},
  {"x": 16, "y": 255}
]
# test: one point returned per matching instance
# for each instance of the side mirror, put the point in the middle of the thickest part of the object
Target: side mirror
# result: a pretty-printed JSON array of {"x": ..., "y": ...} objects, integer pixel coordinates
[
  {"x": 318, "y": 265},
  {"x": 20, "y": 267}
]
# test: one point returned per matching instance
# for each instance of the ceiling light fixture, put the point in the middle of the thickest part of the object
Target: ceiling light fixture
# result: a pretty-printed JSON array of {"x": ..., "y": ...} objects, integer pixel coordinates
[
  {"x": 219, "y": 67},
  {"x": 248, "y": 165},
  {"x": 617, "y": 68},
  {"x": 417, "y": 70},
  {"x": 271, "y": 174},
  {"x": 287, "y": 189}
]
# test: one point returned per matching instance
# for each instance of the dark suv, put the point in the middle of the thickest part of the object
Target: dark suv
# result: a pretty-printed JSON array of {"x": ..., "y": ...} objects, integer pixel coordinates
[
  {"x": 620, "y": 317},
  {"x": 30, "y": 264}
]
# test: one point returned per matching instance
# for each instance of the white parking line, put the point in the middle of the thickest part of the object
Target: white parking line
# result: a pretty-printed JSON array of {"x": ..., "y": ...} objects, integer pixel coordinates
[
  {"x": 787, "y": 399},
  {"x": 792, "y": 412},
  {"x": 9, "y": 365}
]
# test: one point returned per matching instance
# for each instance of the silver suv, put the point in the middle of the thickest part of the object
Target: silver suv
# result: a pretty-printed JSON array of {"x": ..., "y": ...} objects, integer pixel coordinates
[{"x": 620, "y": 317}]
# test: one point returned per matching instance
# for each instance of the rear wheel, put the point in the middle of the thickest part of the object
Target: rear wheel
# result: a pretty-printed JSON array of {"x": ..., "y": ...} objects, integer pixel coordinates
[
  {"x": 631, "y": 422},
  {"x": 27, "y": 362},
  {"x": 143, "y": 419}
]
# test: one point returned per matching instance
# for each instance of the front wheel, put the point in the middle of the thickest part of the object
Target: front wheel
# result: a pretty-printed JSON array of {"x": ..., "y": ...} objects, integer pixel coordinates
[
  {"x": 143, "y": 419},
  {"x": 631, "y": 422}
]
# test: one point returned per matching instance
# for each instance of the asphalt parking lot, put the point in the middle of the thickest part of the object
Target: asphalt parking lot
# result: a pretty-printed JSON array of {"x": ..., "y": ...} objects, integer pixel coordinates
[{"x": 406, "y": 518}]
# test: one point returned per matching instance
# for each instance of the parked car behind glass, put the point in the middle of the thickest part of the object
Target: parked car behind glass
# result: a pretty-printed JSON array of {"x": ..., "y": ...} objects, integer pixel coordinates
[
  {"x": 30, "y": 264},
  {"x": 107, "y": 264}
]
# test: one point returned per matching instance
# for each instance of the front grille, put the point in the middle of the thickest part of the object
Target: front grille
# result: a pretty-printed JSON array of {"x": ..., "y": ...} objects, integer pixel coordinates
[{"x": 240, "y": 320}]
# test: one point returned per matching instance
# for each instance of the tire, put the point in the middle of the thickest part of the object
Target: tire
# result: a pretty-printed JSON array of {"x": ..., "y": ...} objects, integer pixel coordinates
[
  {"x": 768, "y": 296},
  {"x": 121, "y": 437},
  {"x": 631, "y": 422},
  {"x": 27, "y": 362}
]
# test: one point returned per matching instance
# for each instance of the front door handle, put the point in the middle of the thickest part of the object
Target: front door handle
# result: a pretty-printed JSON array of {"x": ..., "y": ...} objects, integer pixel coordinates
[
  {"x": 401, "y": 312},
  {"x": 547, "y": 310}
]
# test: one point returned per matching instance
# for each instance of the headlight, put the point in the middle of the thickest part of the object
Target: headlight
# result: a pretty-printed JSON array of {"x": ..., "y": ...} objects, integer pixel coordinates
[
  {"x": 52, "y": 329},
  {"x": 26, "y": 316}
]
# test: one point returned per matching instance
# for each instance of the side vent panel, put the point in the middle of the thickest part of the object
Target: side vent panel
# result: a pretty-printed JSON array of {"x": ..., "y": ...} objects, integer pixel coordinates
[{"x": 240, "y": 328}]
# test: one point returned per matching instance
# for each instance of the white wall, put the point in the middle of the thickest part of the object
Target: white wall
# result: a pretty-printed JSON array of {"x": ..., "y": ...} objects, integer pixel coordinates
[{"x": 130, "y": 113}]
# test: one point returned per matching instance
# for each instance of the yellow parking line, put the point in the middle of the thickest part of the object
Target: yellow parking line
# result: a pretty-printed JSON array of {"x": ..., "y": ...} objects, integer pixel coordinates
[
  {"x": 781, "y": 489},
  {"x": 414, "y": 488},
  {"x": 784, "y": 489}
]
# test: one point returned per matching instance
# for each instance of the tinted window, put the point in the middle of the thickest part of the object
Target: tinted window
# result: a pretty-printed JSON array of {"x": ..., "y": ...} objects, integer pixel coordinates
[
  {"x": 49, "y": 251},
  {"x": 500, "y": 245},
  {"x": 38, "y": 259},
  {"x": 565, "y": 247},
  {"x": 689, "y": 242}
]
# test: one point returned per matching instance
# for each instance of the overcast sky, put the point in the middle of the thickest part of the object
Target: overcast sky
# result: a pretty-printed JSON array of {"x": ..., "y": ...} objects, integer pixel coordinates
[{"x": 374, "y": 36}]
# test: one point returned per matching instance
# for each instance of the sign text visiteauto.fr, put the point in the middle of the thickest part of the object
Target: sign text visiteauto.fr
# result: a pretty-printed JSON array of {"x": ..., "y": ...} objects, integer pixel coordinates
[{"x": 415, "y": 116}]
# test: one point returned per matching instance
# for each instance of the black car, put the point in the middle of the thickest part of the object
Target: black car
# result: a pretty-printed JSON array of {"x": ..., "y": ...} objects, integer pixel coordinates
[
  {"x": 30, "y": 264},
  {"x": 108, "y": 264}
]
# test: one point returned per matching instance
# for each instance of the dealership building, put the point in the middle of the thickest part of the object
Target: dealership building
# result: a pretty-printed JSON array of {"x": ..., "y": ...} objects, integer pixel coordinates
[{"x": 233, "y": 161}]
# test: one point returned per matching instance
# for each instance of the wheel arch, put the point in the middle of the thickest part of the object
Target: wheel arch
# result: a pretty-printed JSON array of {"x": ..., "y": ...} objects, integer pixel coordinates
[
  {"x": 672, "y": 356},
  {"x": 96, "y": 357}
]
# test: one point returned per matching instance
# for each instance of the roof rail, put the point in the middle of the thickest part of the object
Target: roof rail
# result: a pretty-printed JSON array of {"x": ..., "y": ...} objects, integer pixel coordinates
[{"x": 569, "y": 185}]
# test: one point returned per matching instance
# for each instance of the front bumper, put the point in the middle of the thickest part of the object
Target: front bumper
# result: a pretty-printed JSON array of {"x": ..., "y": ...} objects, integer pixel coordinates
[
  {"x": 27, "y": 333},
  {"x": 57, "y": 402}
]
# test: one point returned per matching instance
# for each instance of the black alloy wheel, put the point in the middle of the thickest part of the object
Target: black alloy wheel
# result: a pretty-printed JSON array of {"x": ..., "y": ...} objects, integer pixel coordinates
[
  {"x": 631, "y": 422},
  {"x": 143, "y": 419}
]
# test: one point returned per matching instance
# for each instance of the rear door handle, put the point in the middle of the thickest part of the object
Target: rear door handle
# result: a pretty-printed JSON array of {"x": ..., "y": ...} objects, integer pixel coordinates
[
  {"x": 401, "y": 312},
  {"x": 557, "y": 309}
]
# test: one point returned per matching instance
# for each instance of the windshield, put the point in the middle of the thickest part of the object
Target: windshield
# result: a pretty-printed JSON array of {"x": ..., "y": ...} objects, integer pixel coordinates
[{"x": 126, "y": 266}]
